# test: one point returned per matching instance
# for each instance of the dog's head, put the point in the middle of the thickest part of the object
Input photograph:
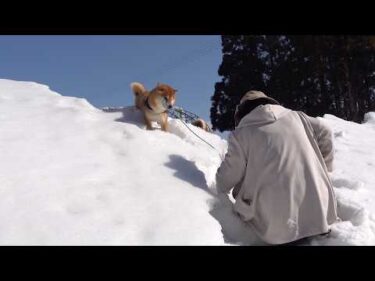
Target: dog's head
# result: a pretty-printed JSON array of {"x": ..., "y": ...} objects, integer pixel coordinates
[{"x": 166, "y": 94}]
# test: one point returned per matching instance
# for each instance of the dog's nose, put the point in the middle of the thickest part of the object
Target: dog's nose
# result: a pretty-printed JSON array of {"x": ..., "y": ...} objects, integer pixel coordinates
[{"x": 169, "y": 106}]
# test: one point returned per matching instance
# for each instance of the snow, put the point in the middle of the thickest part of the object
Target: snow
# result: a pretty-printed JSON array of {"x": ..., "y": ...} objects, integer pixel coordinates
[
  {"x": 72, "y": 174},
  {"x": 354, "y": 181}
]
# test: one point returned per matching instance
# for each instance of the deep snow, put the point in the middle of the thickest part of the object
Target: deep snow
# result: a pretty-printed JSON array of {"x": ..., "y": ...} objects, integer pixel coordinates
[{"x": 71, "y": 174}]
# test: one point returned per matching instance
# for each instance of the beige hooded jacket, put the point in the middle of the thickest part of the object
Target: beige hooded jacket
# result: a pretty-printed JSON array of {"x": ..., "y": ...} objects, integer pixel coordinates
[{"x": 278, "y": 161}]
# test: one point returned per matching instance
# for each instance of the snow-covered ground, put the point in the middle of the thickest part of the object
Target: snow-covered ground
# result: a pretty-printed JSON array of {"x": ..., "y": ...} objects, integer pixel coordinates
[
  {"x": 354, "y": 181},
  {"x": 71, "y": 174}
]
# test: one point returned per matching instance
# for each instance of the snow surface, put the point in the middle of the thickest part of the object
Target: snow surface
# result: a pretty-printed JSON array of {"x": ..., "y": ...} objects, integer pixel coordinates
[{"x": 72, "y": 174}]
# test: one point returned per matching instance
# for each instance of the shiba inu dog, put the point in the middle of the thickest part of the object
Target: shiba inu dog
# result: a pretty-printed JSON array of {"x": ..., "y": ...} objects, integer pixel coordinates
[{"x": 155, "y": 103}]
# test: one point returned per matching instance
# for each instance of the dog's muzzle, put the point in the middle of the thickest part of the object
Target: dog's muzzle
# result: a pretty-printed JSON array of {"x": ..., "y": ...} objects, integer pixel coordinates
[{"x": 165, "y": 103}]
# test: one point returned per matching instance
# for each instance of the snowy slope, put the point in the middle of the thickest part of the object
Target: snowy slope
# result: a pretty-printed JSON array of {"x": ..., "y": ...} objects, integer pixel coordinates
[
  {"x": 71, "y": 174},
  {"x": 354, "y": 181}
]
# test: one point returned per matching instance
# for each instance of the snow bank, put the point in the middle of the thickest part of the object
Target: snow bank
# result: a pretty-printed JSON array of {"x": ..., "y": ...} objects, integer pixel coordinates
[{"x": 71, "y": 174}]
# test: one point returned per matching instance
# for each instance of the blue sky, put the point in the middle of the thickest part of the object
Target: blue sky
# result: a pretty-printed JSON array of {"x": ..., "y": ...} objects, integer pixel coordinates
[{"x": 100, "y": 68}]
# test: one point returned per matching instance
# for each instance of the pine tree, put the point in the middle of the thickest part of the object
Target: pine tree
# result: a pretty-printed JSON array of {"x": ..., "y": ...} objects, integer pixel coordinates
[
  {"x": 316, "y": 74},
  {"x": 241, "y": 69}
]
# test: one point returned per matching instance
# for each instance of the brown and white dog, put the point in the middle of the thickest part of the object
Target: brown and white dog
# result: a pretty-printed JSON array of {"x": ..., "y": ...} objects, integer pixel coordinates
[
  {"x": 155, "y": 103},
  {"x": 200, "y": 123}
]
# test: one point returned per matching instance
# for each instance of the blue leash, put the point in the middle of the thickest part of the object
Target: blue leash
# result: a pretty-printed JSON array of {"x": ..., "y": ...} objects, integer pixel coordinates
[{"x": 186, "y": 125}]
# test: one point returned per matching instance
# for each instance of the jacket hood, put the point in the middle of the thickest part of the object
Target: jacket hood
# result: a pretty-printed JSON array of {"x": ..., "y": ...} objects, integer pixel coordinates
[{"x": 263, "y": 114}]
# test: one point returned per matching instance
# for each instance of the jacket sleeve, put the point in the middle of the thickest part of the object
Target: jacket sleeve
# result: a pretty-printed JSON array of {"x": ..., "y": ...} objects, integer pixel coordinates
[
  {"x": 323, "y": 135},
  {"x": 232, "y": 169}
]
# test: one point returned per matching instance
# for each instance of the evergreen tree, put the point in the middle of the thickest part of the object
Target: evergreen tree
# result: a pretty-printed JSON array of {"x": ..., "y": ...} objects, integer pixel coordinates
[{"x": 316, "y": 74}]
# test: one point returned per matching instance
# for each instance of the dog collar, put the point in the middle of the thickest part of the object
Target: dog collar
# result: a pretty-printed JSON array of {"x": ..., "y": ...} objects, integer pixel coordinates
[{"x": 148, "y": 105}]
